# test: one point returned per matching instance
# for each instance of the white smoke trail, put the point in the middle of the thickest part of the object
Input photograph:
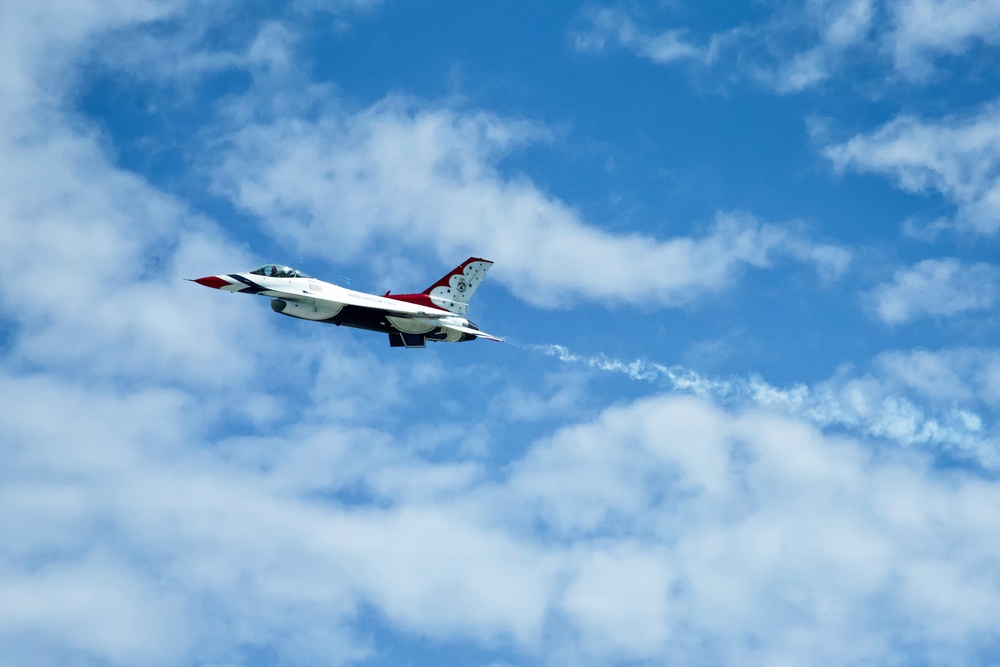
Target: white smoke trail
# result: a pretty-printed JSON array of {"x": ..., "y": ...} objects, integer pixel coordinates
[{"x": 852, "y": 406}]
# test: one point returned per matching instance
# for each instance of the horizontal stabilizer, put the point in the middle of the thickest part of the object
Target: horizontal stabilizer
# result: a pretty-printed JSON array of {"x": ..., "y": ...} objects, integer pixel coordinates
[{"x": 473, "y": 332}]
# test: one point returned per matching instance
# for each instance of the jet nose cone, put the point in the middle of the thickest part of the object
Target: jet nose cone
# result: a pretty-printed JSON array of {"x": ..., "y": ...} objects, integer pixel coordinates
[{"x": 212, "y": 281}]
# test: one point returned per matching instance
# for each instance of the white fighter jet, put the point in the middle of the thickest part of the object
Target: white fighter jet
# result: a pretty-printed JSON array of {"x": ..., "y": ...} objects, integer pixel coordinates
[{"x": 436, "y": 314}]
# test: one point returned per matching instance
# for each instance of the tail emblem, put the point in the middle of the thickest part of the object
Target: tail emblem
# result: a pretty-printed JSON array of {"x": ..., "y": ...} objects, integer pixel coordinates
[{"x": 454, "y": 290}]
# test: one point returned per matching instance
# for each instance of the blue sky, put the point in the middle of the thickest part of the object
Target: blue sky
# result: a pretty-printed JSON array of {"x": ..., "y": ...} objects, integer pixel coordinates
[{"x": 746, "y": 266}]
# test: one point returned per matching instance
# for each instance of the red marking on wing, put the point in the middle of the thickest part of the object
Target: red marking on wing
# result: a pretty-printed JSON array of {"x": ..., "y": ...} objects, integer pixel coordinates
[
  {"x": 417, "y": 299},
  {"x": 213, "y": 281}
]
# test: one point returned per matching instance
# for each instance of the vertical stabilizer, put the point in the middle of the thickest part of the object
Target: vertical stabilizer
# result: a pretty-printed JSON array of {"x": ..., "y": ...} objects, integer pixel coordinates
[{"x": 454, "y": 290}]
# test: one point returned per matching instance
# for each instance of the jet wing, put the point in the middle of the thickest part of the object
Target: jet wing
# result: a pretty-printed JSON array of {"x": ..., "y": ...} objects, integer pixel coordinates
[{"x": 381, "y": 304}]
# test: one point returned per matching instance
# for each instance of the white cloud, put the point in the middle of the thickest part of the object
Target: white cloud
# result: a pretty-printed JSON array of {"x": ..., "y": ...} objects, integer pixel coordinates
[
  {"x": 434, "y": 572},
  {"x": 186, "y": 46},
  {"x": 836, "y": 28},
  {"x": 105, "y": 251},
  {"x": 932, "y": 374},
  {"x": 936, "y": 288},
  {"x": 429, "y": 176},
  {"x": 94, "y": 233},
  {"x": 113, "y": 369},
  {"x": 957, "y": 156},
  {"x": 336, "y": 6},
  {"x": 846, "y": 23},
  {"x": 619, "y": 600},
  {"x": 757, "y": 536},
  {"x": 960, "y": 375},
  {"x": 800, "y": 45},
  {"x": 925, "y": 29},
  {"x": 57, "y": 604},
  {"x": 38, "y": 44},
  {"x": 614, "y": 25},
  {"x": 763, "y": 51},
  {"x": 555, "y": 397}
]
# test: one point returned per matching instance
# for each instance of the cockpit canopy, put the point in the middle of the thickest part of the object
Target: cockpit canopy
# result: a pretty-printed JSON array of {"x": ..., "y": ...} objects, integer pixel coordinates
[{"x": 278, "y": 271}]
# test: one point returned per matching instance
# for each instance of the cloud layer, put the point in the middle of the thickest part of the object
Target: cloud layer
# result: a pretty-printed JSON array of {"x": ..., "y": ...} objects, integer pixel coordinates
[
  {"x": 660, "y": 527},
  {"x": 190, "y": 480}
]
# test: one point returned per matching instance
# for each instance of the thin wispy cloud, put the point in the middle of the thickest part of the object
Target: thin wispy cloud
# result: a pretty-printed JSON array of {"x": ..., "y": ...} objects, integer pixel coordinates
[
  {"x": 797, "y": 47},
  {"x": 609, "y": 26}
]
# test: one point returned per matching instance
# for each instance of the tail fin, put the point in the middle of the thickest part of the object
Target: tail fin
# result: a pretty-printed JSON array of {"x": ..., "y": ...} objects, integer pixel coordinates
[{"x": 454, "y": 290}]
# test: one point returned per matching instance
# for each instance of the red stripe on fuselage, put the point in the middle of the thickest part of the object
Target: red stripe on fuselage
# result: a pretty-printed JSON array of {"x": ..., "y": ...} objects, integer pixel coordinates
[{"x": 416, "y": 299}]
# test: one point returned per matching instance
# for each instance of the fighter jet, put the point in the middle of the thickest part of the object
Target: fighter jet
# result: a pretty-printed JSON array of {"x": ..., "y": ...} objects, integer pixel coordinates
[{"x": 436, "y": 314}]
